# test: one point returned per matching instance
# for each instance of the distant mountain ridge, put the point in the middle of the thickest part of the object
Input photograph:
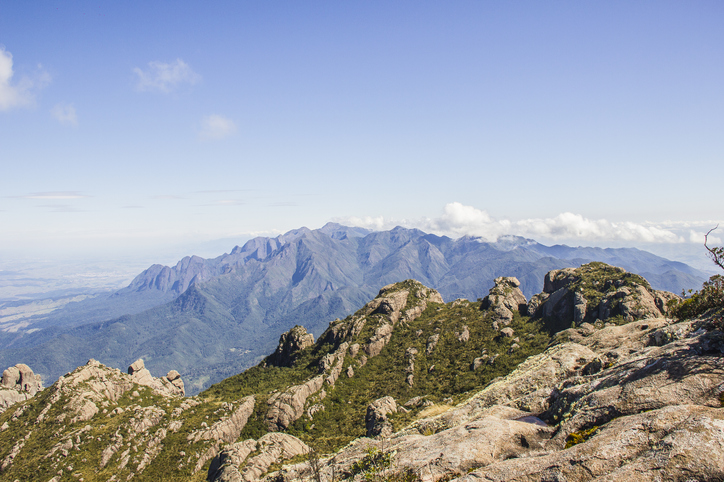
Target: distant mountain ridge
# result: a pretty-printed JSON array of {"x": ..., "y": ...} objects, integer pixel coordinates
[
  {"x": 194, "y": 269},
  {"x": 437, "y": 256},
  {"x": 212, "y": 318}
]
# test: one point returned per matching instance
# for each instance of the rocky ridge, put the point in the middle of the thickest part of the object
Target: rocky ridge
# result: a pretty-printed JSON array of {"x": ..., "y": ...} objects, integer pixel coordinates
[
  {"x": 607, "y": 403},
  {"x": 456, "y": 391}
]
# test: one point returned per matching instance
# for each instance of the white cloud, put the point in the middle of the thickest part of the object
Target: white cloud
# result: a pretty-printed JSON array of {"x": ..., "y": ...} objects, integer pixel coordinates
[
  {"x": 163, "y": 77},
  {"x": 65, "y": 114},
  {"x": 20, "y": 93},
  {"x": 460, "y": 220},
  {"x": 215, "y": 127},
  {"x": 698, "y": 238}
]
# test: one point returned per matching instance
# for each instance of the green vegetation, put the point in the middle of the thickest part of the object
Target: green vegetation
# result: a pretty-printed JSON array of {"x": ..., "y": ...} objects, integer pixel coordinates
[
  {"x": 378, "y": 466},
  {"x": 444, "y": 376},
  {"x": 576, "y": 438},
  {"x": 596, "y": 279},
  {"x": 711, "y": 294}
]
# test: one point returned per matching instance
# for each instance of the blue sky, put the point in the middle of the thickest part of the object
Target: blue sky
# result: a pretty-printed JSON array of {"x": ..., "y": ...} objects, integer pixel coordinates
[{"x": 135, "y": 125}]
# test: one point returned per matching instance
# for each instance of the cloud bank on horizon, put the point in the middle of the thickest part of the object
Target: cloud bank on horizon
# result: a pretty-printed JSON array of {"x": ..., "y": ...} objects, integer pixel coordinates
[{"x": 461, "y": 220}]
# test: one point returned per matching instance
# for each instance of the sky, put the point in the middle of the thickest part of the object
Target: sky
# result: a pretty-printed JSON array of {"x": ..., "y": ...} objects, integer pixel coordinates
[{"x": 133, "y": 127}]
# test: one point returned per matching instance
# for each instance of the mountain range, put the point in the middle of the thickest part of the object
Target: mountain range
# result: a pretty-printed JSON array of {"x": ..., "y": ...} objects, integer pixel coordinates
[{"x": 212, "y": 318}]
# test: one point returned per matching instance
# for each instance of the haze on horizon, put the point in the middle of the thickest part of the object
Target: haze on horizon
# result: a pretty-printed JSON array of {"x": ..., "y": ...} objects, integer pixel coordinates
[{"x": 136, "y": 128}]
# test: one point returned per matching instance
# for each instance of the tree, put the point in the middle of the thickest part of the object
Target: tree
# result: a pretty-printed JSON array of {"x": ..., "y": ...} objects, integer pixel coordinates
[{"x": 716, "y": 253}]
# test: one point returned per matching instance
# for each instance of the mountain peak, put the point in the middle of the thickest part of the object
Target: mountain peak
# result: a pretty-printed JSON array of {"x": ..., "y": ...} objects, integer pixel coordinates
[{"x": 339, "y": 231}]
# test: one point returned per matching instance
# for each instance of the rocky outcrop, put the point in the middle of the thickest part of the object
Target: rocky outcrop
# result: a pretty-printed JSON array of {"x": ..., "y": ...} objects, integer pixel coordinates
[
  {"x": 376, "y": 418},
  {"x": 597, "y": 292},
  {"x": 234, "y": 464},
  {"x": 19, "y": 383},
  {"x": 226, "y": 430},
  {"x": 401, "y": 301},
  {"x": 395, "y": 303},
  {"x": 554, "y": 417},
  {"x": 464, "y": 335},
  {"x": 379, "y": 339},
  {"x": 410, "y": 355},
  {"x": 171, "y": 384},
  {"x": 432, "y": 342},
  {"x": 290, "y": 343},
  {"x": 505, "y": 298},
  {"x": 81, "y": 404},
  {"x": 229, "y": 427},
  {"x": 286, "y": 407}
]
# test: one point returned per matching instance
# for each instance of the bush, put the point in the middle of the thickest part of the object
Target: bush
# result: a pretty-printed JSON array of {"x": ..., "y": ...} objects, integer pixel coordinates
[{"x": 710, "y": 296}]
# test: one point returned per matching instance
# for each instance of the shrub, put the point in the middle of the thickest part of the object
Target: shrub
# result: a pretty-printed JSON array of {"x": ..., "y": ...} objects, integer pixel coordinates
[{"x": 710, "y": 296}]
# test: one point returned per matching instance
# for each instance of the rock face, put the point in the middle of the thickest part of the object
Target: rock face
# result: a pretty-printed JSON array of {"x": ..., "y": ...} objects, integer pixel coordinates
[
  {"x": 505, "y": 298},
  {"x": 596, "y": 291},
  {"x": 18, "y": 383},
  {"x": 290, "y": 343},
  {"x": 286, "y": 407}
]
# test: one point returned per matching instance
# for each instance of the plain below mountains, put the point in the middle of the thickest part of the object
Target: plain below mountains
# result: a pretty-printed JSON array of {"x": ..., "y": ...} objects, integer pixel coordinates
[{"x": 212, "y": 318}]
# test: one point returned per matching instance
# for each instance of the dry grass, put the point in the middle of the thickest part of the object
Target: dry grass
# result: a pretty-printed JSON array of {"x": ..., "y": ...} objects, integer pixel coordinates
[{"x": 433, "y": 410}]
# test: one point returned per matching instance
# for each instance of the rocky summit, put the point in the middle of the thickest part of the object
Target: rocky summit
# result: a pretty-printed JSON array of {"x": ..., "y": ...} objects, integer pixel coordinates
[{"x": 591, "y": 379}]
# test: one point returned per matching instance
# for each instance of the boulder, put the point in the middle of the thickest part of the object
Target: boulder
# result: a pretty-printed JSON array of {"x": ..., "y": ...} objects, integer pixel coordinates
[{"x": 507, "y": 332}]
